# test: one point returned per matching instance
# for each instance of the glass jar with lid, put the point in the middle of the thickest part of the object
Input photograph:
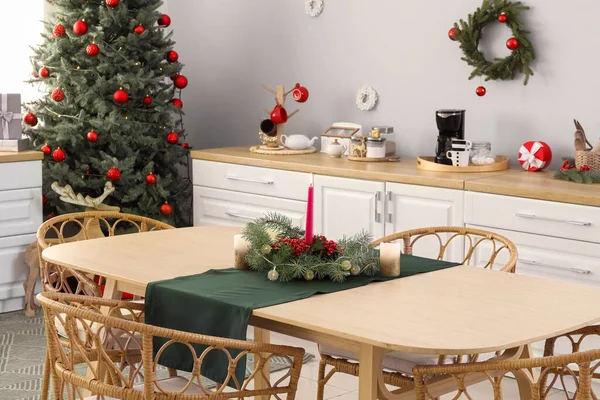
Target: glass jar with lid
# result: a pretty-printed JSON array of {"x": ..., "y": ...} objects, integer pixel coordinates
[
  {"x": 481, "y": 153},
  {"x": 375, "y": 147}
]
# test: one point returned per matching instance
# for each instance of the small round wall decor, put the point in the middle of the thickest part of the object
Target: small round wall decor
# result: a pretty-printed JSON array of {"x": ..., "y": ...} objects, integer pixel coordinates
[
  {"x": 366, "y": 98},
  {"x": 314, "y": 8}
]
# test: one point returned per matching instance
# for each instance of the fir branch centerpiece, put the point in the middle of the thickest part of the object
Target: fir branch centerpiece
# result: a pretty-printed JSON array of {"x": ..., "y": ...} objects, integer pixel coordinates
[{"x": 278, "y": 248}]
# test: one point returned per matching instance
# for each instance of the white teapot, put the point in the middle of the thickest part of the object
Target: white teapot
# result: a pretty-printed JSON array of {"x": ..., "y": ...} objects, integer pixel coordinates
[
  {"x": 335, "y": 149},
  {"x": 297, "y": 142}
]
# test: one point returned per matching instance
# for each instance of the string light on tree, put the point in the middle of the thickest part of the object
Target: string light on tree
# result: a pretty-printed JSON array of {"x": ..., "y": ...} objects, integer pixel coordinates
[
  {"x": 92, "y": 50},
  {"x": 59, "y": 155},
  {"x": 166, "y": 209},
  {"x": 113, "y": 174},
  {"x": 58, "y": 95},
  {"x": 80, "y": 28}
]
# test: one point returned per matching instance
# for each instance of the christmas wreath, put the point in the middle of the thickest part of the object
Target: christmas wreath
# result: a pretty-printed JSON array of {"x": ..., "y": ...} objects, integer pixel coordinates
[
  {"x": 280, "y": 249},
  {"x": 469, "y": 33}
]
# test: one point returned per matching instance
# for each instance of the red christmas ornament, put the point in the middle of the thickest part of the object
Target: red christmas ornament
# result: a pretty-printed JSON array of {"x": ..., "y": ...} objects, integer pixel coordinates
[
  {"x": 151, "y": 179},
  {"x": 147, "y": 100},
  {"x": 173, "y": 137},
  {"x": 174, "y": 76},
  {"x": 177, "y": 103},
  {"x": 35, "y": 74},
  {"x": 535, "y": 156},
  {"x": 58, "y": 95},
  {"x": 512, "y": 43},
  {"x": 50, "y": 216},
  {"x": 121, "y": 96},
  {"x": 139, "y": 29},
  {"x": 80, "y": 28},
  {"x": 481, "y": 91},
  {"x": 44, "y": 72},
  {"x": 164, "y": 20},
  {"x": 92, "y": 50},
  {"x": 166, "y": 209},
  {"x": 181, "y": 82},
  {"x": 59, "y": 30},
  {"x": 502, "y": 18},
  {"x": 172, "y": 56},
  {"x": 92, "y": 136},
  {"x": 30, "y": 119},
  {"x": 452, "y": 33},
  {"x": 114, "y": 174},
  {"x": 46, "y": 149},
  {"x": 112, "y": 3},
  {"x": 59, "y": 155},
  {"x": 185, "y": 145},
  {"x": 44, "y": 200}
]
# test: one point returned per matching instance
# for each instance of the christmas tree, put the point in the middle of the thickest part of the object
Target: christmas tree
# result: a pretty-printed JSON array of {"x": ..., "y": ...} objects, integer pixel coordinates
[{"x": 109, "y": 108}]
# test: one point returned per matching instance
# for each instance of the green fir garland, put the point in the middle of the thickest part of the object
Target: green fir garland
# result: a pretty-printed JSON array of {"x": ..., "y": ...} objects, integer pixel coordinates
[
  {"x": 277, "y": 247},
  {"x": 469, "y": 33}
]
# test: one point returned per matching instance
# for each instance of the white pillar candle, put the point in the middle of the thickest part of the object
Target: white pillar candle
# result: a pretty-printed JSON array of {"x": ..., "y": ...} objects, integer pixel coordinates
[
  {"x": 389, "y": 259},
  {"x": 241, "y": 247}
]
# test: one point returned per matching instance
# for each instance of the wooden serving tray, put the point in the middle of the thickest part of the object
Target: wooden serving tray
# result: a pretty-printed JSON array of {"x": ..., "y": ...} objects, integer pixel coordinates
[
  {"x": 428, "y": 164},
  {"x": 365, "y": 159}
]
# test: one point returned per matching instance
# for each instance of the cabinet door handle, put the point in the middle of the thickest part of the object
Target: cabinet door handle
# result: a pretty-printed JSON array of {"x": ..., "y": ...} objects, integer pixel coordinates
[
  {"x": 567, "y": 269},
  {"x": 242, "y": 216},
  {"x": 390, "y": 198},
  {"x": 377, "y": 213},
  {"x": 562, "y": 221},
  {"x": 238, "y": 178}
]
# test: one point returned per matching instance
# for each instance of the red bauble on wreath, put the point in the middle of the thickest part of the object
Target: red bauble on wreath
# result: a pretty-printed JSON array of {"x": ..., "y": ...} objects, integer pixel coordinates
[
  {"x": 47, "y": 150},
  {"x": 59, "y": 30},
  {"x": 151, "y": 179},
  {"x": 164, "y": 20},
  {"x": 173, "y": 137},
  {"x": 112, "y": 3},
  {"x": 172, "y": 56},
  {"x": 80, "y": 28},
  {"x": 512, "y": 44},
  {"x": 92, "y": 136},
  {"x": 181, "y": 82},
  {"x": 502, "y": 18},
  {"x": 166, "y": 209},
  {"x": 59, "y": 155},
  {"x": 535, "y": 156},
  {"x": 92, "y": 50},
  {"x": 121, "y": 96},
  {"x": 147, "y": 100},
  {"x": 44, "y": 72},
  {"x": 30, "y": 119},
  {"x": 58, "y": 95},
  {"x": 114, "y": 174},
  {"x": 177, "y": 103}
]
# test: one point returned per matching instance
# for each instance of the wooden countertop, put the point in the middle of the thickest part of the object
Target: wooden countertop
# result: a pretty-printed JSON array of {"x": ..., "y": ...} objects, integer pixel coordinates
[
  {"x": 9, "y": 156},
  {"x": 513, "y": 182}
]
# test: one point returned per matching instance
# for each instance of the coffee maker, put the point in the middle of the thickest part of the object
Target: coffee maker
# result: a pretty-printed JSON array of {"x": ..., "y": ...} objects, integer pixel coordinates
[{"x": 451, "y": 124}]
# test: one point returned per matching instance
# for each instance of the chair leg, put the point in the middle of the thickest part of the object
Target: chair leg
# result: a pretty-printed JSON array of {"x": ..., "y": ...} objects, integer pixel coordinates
[
  {"x": 46, "y": 378},
  {"x": 321, "y": 380}
]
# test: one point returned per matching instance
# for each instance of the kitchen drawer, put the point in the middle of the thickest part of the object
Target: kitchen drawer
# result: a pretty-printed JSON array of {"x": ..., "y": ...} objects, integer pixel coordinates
[
  {"x": 548, "y": 218},
  {"x": 13, "y": 271},
  {"x": 224, "y": 207},
  {"x": 20, "y": 211},
  {"x": 242, "y": 178},
  {"x": 20, "y": 175}
]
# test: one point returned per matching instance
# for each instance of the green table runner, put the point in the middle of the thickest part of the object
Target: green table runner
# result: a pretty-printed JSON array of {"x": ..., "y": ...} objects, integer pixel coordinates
[{"x": 220, "y": 302}]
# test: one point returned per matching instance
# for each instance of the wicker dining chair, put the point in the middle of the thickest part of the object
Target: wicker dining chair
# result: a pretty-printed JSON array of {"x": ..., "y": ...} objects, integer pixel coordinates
[
  {"x": 114, "y": 338},
  {"x": 82, "y": 226},
  {"x": 398, "y": 365}
]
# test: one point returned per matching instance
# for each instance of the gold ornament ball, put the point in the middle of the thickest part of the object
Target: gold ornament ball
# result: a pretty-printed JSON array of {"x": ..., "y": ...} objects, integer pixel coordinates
[
  {"x": 309, "y": 276},
  {"x": 355, "y": 270},
  {"x": 266, "y": 249},
  {"x": 273, "y": 275},
  {"x": 346, "y": 265}
]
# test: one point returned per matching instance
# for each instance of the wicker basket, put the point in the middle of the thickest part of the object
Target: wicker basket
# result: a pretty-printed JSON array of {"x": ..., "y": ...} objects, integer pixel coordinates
[{"x": 588, "y": 158}]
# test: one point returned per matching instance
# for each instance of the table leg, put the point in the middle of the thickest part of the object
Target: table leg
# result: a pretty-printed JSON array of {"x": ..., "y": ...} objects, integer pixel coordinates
[
  {"x": 522, "y": 378},
  {"x": 263, "y": 336},
  {"x": 369, "y": 371}
]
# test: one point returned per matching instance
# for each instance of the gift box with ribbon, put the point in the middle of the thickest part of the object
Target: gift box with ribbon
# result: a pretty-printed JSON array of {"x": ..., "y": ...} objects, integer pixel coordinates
[
  {"x": 10, "y": 116},
  {"x": 535, "y": 156}
]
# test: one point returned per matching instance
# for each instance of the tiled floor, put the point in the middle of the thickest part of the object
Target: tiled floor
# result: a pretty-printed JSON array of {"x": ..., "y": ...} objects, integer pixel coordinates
[{"x": 345, "y": 387}]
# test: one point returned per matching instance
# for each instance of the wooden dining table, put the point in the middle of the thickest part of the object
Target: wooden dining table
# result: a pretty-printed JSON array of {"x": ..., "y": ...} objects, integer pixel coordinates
[{"x": 461, "y": 310}]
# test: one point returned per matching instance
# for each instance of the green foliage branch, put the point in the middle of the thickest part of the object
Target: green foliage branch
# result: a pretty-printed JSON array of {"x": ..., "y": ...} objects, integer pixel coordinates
[{"x": 469, "y": 34}]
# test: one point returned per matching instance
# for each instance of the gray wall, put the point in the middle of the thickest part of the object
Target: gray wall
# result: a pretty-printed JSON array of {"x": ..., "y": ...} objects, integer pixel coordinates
[{"x": 401, "y": 48}]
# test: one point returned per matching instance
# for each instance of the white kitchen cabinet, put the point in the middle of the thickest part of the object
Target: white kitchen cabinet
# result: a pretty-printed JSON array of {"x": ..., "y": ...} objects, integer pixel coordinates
[
  {"x": 411, "y": 207},
  {"x": 348, "y": 206}
]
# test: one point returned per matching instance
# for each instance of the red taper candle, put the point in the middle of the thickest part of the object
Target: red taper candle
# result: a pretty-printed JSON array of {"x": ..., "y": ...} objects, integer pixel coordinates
[{"x": 308, "y": 238}]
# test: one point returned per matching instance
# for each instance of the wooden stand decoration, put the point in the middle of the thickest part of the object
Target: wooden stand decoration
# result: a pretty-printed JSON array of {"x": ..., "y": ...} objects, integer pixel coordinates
[
  {"x": 93, "y": 232},
  {"x": 279, "y": 116}
]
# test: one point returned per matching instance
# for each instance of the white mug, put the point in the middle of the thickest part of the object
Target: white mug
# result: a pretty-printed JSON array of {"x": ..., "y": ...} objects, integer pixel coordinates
[
  {"x": 459, "y": 158},
  {"x": 461, "y": 144}
]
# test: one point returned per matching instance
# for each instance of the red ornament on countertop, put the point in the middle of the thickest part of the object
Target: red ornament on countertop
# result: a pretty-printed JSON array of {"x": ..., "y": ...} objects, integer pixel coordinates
[
  {"x": 164, "y": 20},
  {"x": 172, "y": 56},
  {"x": 92, "y": 136},
  {"x": 166, "y": 209},
  {"x": 47, "y": 150},
  {"x": 177, "y": 103},
  {"x": 151, "y": 179},
  {"x": 481, "y": 91},
  {"x": 112, "y": 3},
  {"x": 535, "y": 156},
  {"x": 59, "y": 155},
  {"x": 502, "y": 18},
  {"x": 173, "y": 137},
  {"x": 58, "y": 95},
  {"x": 30, "y": 119},
  {"x": 114, "y": 174},
  {"x": 121, "y": 96},
  {"x": 44, "y": 72},
  {"x": 452, "y": 33},
  {"x": 512, "y": 44},
  {"x": 92, "y": 50},
  {"x": 80, "y": 28},
  {"x": 147, "y": 100},
  {"x": 59, "y": 30},
  {"x": 181, "y": 82},
  {"x": 139, "y": 29}
]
